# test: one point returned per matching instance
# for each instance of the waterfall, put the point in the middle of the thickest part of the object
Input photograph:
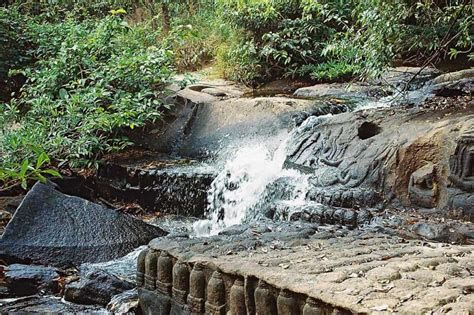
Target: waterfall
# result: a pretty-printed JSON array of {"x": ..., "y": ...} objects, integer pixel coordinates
[{"x": 236, "y": 194}]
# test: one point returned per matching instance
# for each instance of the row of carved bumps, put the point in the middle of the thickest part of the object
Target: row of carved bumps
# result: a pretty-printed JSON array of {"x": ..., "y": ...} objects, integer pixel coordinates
[
  {"x": 157, "y": 272},
  {"x": 345, "y": 198},
  {"x": 133, "y": 177}
]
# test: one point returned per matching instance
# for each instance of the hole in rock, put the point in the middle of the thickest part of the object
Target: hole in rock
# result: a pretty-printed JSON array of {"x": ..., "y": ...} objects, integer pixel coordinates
[{"x": 368, "y": 130}]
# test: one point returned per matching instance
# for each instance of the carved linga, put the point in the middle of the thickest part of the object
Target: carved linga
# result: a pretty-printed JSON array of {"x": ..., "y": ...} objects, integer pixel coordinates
[
  {"x": 462, "y": 163},
  {"x": 197, "y": 293}
]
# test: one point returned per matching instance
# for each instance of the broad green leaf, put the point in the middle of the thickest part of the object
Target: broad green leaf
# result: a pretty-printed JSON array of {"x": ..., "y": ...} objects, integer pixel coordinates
[{"x": 52, "y": 173}]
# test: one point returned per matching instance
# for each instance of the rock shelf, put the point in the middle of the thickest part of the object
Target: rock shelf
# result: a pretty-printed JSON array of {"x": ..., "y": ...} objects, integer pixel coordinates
[{"x": 320, "y": 271}]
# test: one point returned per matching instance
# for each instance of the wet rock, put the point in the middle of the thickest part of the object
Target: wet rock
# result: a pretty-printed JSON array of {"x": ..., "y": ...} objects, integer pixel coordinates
[
  {"x": 46, "y": 305},
  {"x": 339, "y": 90},
  {"x": 23, "y": 280},
  {"x": 97, "y": 287},
  {"x": 178, "y": 188},
  {"x": 126, "y": 302},
  {"x": 205, "y": 125},
  {"x": 122, "y": 268},
  {"x": 454, "y": 88},
  {"x": 175, "y": 224},
  {"x": 55, "y": 229}
]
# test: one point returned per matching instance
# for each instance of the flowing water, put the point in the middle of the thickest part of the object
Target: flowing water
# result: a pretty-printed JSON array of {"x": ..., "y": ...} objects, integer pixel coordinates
[{"x": 237, "y": 194}]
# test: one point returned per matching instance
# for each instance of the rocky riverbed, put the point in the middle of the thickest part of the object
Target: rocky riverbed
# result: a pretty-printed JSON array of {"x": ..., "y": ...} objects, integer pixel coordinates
[{"x": 332, "y": 198}]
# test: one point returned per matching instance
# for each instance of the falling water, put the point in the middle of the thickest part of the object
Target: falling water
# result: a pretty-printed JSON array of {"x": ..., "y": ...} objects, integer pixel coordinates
[{"x": 240, "y": 187}]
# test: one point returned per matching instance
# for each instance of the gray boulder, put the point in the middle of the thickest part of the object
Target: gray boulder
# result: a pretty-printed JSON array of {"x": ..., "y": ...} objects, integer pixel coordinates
[
  {"x": 96, "y": 288},
  {"x": 23, "y": 280},
  {"x": 51, "y": 228}
]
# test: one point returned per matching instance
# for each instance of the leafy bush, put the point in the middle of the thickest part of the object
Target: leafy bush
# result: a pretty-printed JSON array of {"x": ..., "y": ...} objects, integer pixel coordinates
[
  {"x": 280, "y": 39},
  {"x": 14, "y": 50},
  {"x": 329, "y": 71},
  {"x": 361, "y": 38},
  {"x": 240, "y": 62},
  {"x": 96, "y": 78}
]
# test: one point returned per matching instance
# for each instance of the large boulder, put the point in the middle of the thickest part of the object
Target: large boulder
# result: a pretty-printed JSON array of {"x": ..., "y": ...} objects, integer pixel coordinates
[{"x": 51, "y": 228}]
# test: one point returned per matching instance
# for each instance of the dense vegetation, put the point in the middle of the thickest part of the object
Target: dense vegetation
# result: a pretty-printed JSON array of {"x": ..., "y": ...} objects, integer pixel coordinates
[{"x": 75, "y": 75}]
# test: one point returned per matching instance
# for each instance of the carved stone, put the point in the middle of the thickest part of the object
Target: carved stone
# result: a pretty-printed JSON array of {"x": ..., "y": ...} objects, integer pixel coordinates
[
  {"x": 237, "y": 304},
  {"x": 141, "y": 267},
  {"x": 423, "y": 188},
  {"x": 312, "y": 307},
  {"x": 197, "y": 290},
  {"x": 151, "y": 261},
  {"x": 180, "y": 282},
  {"x": 215, "y": 303},
  {"x": 265, "y": 303},
  {"x": 165, "y": 274},
  {"x": 462, "y": 163},
  {"x": 286, "y": 304}
]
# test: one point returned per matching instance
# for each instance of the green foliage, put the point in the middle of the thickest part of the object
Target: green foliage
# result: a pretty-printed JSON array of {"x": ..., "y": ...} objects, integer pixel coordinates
[
  {"x": 95, "y": 79},
  {"x": 21, "y": 173},
  {"x": 329, "y": 71},
  {"x": 194, "y": 40},
  {"x": 14, "y": 50},
  {"x": 240, "y": 62},
  {"x": 357, "y": 37}
]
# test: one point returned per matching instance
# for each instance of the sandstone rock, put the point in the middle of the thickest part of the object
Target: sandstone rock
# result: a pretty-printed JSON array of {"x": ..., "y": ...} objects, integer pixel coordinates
[
  {"x": 214, "y": 92},
  {"x": 203, "y": 125},
  {"x": 55, "y": 229},
  {"x": 454, "y": 76},
  {"x": 97, "y": 287},
  {"x": 23, "y": 280},
  {"x": 338, "y": 90},
  {"x": 360, "y": 272},
  {"x": 372, "y": 158}
]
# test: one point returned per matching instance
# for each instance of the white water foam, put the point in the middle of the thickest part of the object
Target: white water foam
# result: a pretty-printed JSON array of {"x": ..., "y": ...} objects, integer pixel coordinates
[{"x": 241, "y": 184}]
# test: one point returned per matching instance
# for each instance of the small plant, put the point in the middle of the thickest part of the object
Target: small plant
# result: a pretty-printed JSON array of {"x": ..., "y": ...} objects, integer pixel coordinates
[{"x": 21, "y": 173}]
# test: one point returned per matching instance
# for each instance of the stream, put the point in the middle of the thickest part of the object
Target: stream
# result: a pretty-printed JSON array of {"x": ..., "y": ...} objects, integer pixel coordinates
[{"x": 248, "y": 180}]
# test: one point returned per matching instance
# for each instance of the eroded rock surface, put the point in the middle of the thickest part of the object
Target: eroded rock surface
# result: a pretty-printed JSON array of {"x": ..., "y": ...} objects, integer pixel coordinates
[
  {"x": 51, "y": 228},
  {"x": 209, "y": 120},
  {"x": 419, "y": 158}
]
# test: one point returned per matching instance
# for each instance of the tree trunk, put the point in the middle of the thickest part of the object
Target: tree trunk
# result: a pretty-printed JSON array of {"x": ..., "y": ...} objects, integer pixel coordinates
[{"x": 165, "y": 15}]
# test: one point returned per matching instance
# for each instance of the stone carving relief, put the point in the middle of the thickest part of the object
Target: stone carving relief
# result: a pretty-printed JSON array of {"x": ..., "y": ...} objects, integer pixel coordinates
[
  {"x": 461, "y": 197},
  {"x": 346, "y": 161},
  {"x": 423, "y": 189},
  {"x": 462, "y": 163}
]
